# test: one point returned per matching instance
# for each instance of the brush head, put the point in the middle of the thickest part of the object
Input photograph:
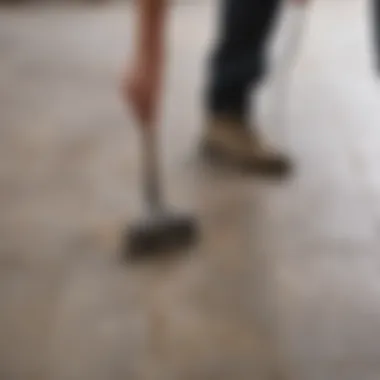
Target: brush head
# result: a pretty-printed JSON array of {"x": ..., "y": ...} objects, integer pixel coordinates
[{"x": 161, "y": 233}]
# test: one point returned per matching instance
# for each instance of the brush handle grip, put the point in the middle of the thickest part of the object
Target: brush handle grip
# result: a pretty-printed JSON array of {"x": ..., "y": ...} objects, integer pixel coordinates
[{"x": 152, "y": 188}]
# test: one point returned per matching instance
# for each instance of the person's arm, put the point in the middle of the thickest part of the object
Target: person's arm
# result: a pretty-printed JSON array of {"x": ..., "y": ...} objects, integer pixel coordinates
[
  {"x": 142, "y": 88},
  {"x": 151, "y": 29}
]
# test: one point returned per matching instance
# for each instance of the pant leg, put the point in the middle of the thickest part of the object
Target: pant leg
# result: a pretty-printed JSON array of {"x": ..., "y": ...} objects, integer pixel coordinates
[{"x": 238, "y": 62}]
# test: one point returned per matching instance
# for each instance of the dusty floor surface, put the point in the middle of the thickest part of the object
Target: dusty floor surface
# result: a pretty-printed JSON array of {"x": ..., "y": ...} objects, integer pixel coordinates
[{"x": 286, "y": 278}]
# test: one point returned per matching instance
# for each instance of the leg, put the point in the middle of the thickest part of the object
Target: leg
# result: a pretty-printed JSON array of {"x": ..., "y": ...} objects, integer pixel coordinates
[
  {"x": 237, "y": 65},
  {"x": 238, "y": 62}
]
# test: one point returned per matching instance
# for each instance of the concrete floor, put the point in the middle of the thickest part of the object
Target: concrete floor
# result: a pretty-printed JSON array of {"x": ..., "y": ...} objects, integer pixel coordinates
[{"x": 285, "y": 283}]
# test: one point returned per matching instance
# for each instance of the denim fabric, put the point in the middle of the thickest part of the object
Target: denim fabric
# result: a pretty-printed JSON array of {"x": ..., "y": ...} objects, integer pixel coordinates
[{"x": 238, "y": 61}]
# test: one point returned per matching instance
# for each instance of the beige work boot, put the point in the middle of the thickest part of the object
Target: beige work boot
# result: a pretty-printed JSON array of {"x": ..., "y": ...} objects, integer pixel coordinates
[{"x": 229, "y": 142}]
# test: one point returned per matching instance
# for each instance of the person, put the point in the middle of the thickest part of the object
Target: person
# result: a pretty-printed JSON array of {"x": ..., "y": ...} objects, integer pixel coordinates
[{"x": 237, "y": 66}]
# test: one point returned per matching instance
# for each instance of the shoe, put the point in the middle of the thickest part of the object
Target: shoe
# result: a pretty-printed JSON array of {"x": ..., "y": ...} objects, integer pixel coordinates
[{"x": 231, "y": 143}]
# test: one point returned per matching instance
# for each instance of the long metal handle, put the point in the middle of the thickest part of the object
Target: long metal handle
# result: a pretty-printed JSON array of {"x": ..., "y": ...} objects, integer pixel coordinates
[{"x": 151, "y": 185}]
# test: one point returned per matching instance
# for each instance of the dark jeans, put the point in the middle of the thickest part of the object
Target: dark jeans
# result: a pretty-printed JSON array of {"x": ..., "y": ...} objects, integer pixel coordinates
[{"x": 238, "y": 63}]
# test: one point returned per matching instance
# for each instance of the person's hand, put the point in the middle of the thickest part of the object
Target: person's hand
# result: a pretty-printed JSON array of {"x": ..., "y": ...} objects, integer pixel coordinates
[
  {"x": 141, "y": 87},
  {"x": 141, "y": 90}
]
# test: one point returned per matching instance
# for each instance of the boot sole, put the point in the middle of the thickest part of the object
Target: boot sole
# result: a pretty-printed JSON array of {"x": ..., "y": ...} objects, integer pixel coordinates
[{"x": 218, "y": 157}]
